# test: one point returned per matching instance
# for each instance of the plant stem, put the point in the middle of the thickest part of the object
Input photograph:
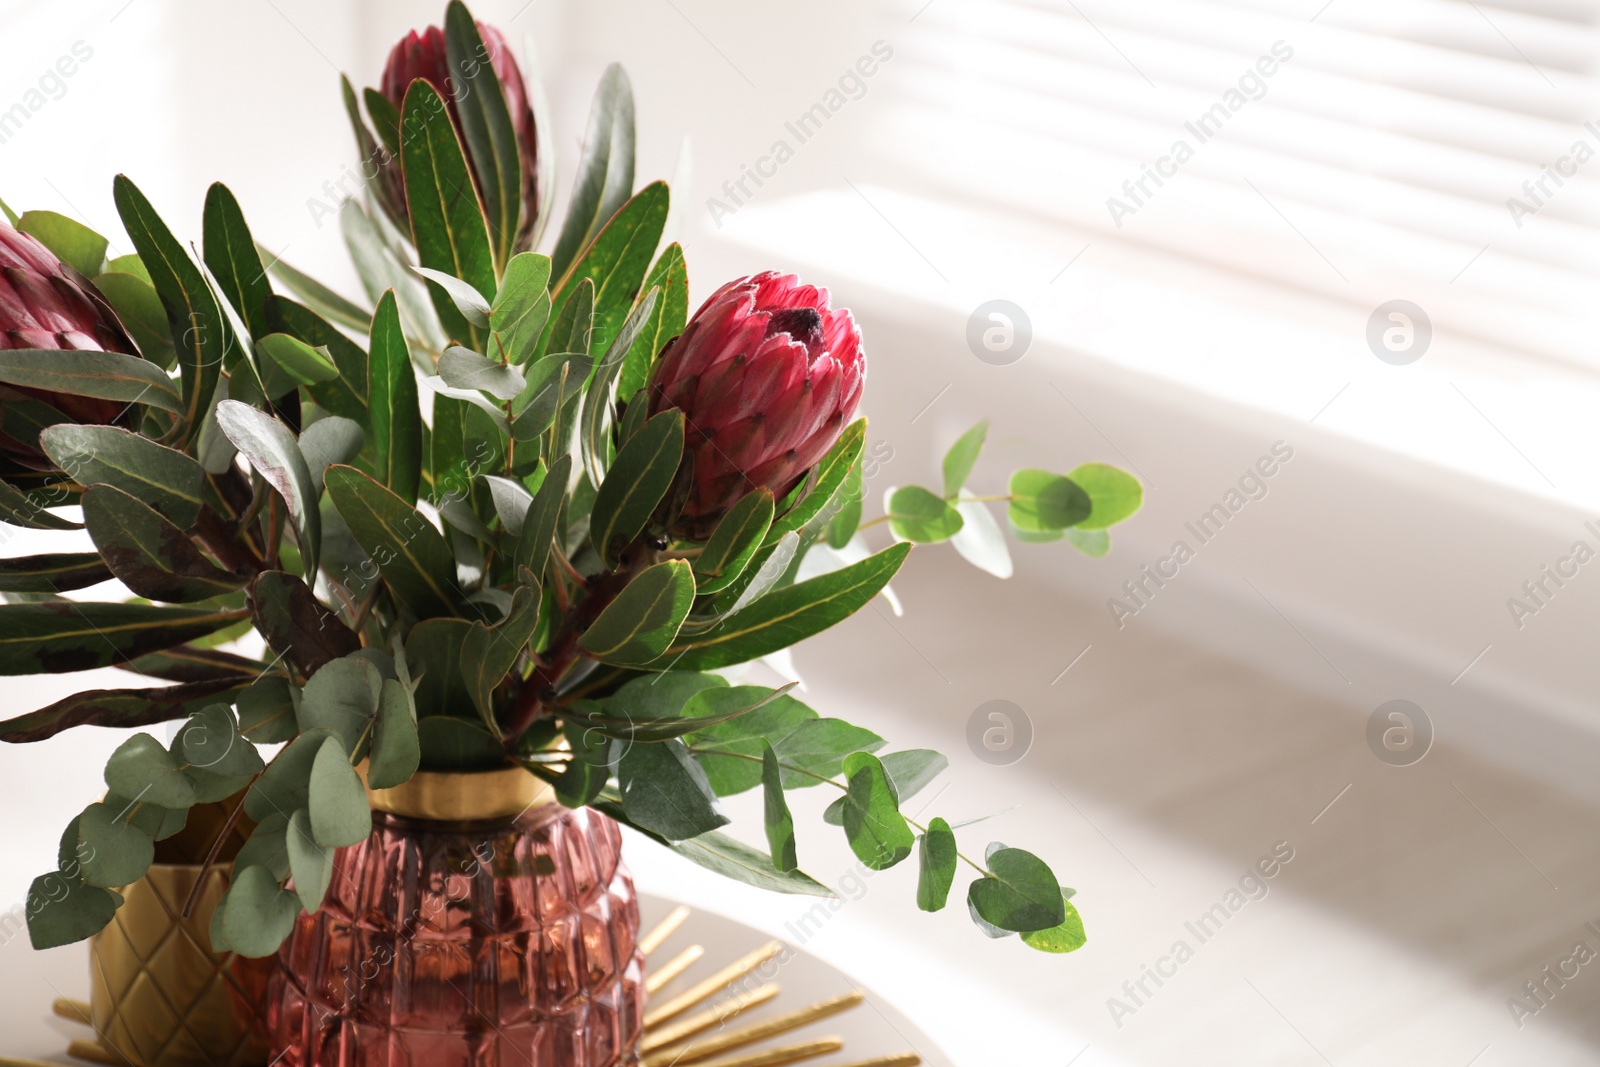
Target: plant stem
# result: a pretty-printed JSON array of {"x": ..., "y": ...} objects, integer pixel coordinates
[{"x": 216, "y": 850}]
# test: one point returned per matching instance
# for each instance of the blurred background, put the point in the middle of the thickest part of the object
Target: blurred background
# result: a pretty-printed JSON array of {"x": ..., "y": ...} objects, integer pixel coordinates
[{"x": 1350, "y": 240}]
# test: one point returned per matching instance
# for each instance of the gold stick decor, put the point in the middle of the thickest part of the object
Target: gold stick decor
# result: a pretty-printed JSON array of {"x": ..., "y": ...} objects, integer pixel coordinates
[
  {"x": 709, "y": 987},
  {"x": 695, "y": 1051},
  {"x": 661, "y": 978},
  {"x": 664, "y": 929},
  {"x": 779, "y": 1056},
  {"x": 689, "y": 1025},
  {"x": 75, "y": 1010},
  {"x": 904, "y": 1059}
]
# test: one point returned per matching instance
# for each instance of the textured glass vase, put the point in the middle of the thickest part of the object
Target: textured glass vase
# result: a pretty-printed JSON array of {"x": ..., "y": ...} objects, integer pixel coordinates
[{"x": 510, "y": 941}]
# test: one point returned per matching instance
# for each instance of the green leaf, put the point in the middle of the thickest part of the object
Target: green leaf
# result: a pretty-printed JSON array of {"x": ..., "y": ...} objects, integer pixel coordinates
[
  {"x": 452, "y": 744},
  {"x": 595, "y": 432},
  {"x": 412, "y": 555},
  {"x": 210, "y": 741},
  {"x": 915, "y": 514},
  {"x": 447, "y": 222},
  {"x": 200, "y": 332},
  {"x": 739, "y": 534},
  {"x": 61, "y": 912},
  {"x": 72, "y": 242},
  {"x": 339, "y": 812},
  {"x": 731, "y": 751},
  {"x": 103, "y": 375},
  {"x": 818, "y": 749},
  {"x": 488, "y": 653},
  {"x": 665, "y": 791},
  {"x": 605, "y": 170},
  {"x": 780, "y": 822},
  {"x": 539, "y": 524},
  {"x": 119, "y": 708},
  {"x": 734, "y": 859},
  {"x": 230, "y": 253},
  {"x": 295, "y": 623},
  {"x": 617, "y": 261},
  {"x": 877, "y": 832},
  {"x": 157, "y": 822},
  {"x": 342, "y": 698},
  {"x": 149, "y": 554},
  {"x": 396, "y": 750},
  {"x": 331, "y": 439},
  {"x": 830, "y": 473},
  {"x": 958, "y": 462},
  {"x": 167, "y": 480},
  {"x": 462, "y": 368},
  {"x": 267, "y": 847},
  {"x": 521, "y": 308},
  {"x": 64, "y": 636},
  {"x": 640, "y": 624},
  {"x": 511, "y": 500},
  {"x": 628, "y": 726},
  {"x": 980, "y": 541},
  {"x": 487, "y": 127},
  {"x": 258, "y": 913},
  {"x": 1019, "y": 893},
  {"x": 910, "y": 771},
  {"x": 53, "y": 573},
  {"x": 667, "y": 320},
  {"x": 636, "y": 484},
  {"x": 842, "y": 527},
  {"x": 141, "y": 768},
  {"x": 324, "y": 300},
  {"x": 1094, "y": 543},
  {"x": 554, "y": 382},
  {"x": 296, "y": 360},
  {"x": 1114, "y": 494},
  {"x": 136, "y": 303},
  {"x": 309, "y": 862},
  {"x": 938, "y": 866},
  {"x": 11, "y": 216},
  {"x": 275, "y": 454},
  {"x": 787, "y": 616},
  {"x": 473, "y": 305},
  {"x": 345, "y": 395},
  {"x": 20, "y": 509},
  {"x": 589, "y": 769},
  {"x": 433, "y": 651},
  {"x": 1068, "y": 937},
  {"x": 266, "y": 711},
  {"x": 286, "y": 785},
  {"x": 1043, "y": 502},
  {"x": 114, "y": 852}
]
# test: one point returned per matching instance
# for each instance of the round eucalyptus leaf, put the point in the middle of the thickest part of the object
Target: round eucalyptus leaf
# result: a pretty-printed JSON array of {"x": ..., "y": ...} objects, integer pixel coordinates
[
  {"x": 142, "y": 770},
  {"x": 919, "y": 515},
  {"x": 1042, "y": 501},
  {"x": 258, "y": 913},
  {"x": 309, "y": 862},
  {"x": 339, "y": 812},
  {"x": 114, "y": 852}
]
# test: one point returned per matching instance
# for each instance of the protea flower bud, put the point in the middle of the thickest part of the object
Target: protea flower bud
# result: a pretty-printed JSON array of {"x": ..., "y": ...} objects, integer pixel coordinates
[
  {"x": 422, "y": 55},
  {"x": 46, "y": 304},
  {"x": 766, "y": 375}
]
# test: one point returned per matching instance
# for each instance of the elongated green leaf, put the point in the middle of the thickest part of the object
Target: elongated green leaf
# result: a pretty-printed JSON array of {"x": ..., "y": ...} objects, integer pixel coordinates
[
  {"x": 539, "y": 524},
  {"x": 636, "y": 484},
  {"x": 1114, "y": 494},
  {"x": 309, "y": 862},
  {"x": 605, "y": 170},
  {"x": 104, "y": 375},
  {"x": 617, "y": 261},
  {"x": 200, "y": 331},
  {"x": 731, "y": 751},
  {"x": 447, "y": 222},
  {"x": 63, "y": 636},
  {"x": 521, "y": 308},
  {"x": 734, "y": 859},
  {"x": 779, "y": 821},
  {"x": 28, "y": 511},
  {"x": 589, "y": 769},
  {"x": 340, "y": 815},
  {"x": 326, "y": 302},
  {"x": 489, "y": 652},
  {"x": 462, "y": 368},
  {"x": 595, "y": 434},
  {"x": 823, "y": 483},
  {"x": 118, "y": 708},
  {"x": 288, "y": 361},
  {"x": 938, "y": 866},
  {"x": 916, "y": 514},
  {"x": 640, "y": 624},
  {"x": 329, "y": 440},
  {"x": 626, "y": 725},
  {"x": 139, "y": 307},
  {"x": 486, "y": 125},
  {"x": 395, "y": 417},
  {"x": 1042, "y": 502},
  {"x": 275, "y": 454},
  {"x": 958, "y": 462},
  {"x": 433, "y": 651},
  {"x": 54, "y": 573},
  {"x": 346, "y": 394},
  {"x": 787, "y": 616},
  {"x": 149, "y": 554},
  {"x": 1019, "y": 893},
  {"x": 878, "y": 833},
  {"x": 665, "y": 791},
  {"x": 72, "y": 242},
  {"x": 296, "y": 625},
  {"x": 188, "y": 663},
  {"x": 164, "y": 478},
  {"x": 231, "y": 254},
  {"x": 667, "y": 320},
  {"x": 739, "y": 534},
  {"x": 396, "y": 748},
  {"x": 452, "y": 744},
  {"x": 411, "y": 554}
]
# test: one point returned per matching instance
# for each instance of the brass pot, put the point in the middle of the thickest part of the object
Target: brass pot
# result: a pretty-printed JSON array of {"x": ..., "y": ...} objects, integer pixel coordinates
[{"x": 159, "y": 996}]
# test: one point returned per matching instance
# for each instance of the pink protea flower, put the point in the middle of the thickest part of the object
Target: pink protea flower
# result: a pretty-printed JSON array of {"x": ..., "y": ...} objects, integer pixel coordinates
[
  {"x": 422, "y": 55},
  {"x": 766, "y": 375},
  {"x": 46, "y": 304}
]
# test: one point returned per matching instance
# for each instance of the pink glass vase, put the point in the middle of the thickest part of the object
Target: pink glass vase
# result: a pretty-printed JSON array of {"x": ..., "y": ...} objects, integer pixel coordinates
[{"x": 509, "y": 941}]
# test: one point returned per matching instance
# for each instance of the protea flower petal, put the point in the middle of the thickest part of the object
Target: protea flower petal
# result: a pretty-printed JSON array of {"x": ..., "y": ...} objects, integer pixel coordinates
[{"x": 767, "y": 375}]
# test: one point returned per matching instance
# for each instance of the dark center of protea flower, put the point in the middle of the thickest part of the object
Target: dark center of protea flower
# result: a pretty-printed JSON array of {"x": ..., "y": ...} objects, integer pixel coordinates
[{"x": 803, "y": 324}]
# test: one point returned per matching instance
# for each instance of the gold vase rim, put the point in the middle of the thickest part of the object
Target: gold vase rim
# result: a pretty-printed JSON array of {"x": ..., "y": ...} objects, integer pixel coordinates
[{"x": 462, "y": 796}]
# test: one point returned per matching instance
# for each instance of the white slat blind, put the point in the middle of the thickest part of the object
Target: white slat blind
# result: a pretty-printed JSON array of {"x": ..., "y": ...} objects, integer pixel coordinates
[{"x": 1375, "y": 163}]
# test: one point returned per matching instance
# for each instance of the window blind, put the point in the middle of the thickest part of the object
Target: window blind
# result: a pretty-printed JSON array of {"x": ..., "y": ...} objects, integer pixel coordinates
[{"x": 1445, "y": 152}]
